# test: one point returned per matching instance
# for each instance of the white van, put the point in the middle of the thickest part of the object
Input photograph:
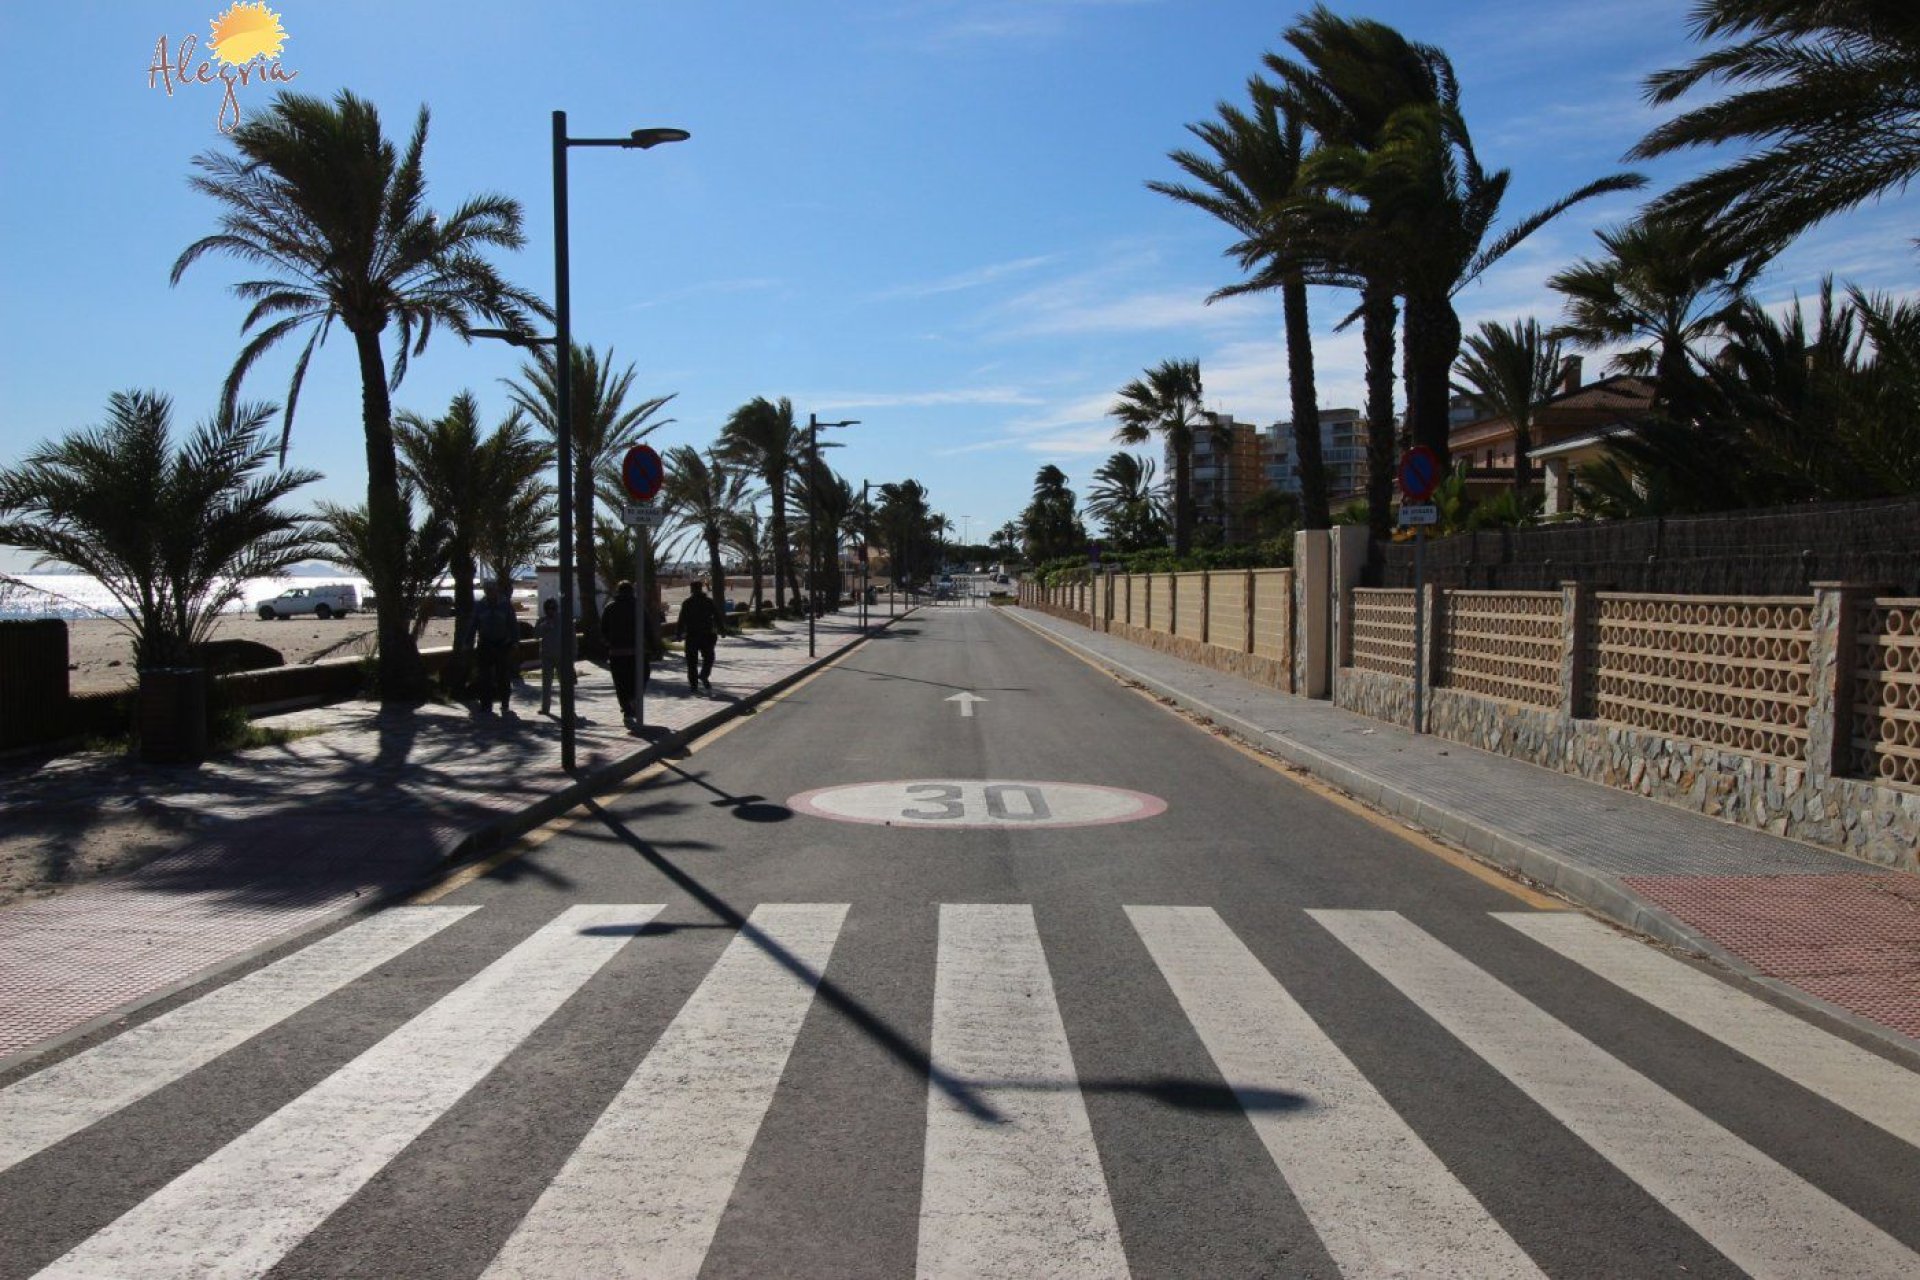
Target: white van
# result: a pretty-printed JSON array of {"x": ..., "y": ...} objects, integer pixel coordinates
[{"x": 330, "y": 600}]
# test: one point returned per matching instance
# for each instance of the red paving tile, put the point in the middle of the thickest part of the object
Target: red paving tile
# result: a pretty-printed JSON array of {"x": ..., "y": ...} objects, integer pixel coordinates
[{"x": 1853, "y": 940}]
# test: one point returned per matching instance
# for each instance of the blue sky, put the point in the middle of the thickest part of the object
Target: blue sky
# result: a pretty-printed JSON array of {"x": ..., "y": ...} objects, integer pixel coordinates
[{"x": 925, "y": 214}]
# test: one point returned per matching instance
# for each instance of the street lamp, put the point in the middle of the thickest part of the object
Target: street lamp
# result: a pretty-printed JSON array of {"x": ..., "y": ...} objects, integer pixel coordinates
[
  {"x": 562, "y": 343},
  {"x": 813, "y": 523}
]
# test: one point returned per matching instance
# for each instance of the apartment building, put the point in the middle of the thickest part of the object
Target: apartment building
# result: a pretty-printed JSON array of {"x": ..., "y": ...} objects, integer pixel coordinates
[
  {"x": 1343, "y": 451},
  {"x": 1228, "y": 472}
]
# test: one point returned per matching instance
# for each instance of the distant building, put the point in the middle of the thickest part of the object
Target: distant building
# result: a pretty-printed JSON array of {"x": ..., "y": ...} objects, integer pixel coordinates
[
  {"x": 1228, "y": 472},
  {"x": 1569, "y": 430},
  {"x": 1343, "y": 452}
]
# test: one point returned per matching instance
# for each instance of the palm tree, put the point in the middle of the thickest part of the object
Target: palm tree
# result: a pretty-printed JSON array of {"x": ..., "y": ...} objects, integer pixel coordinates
[
  {"x": 1050, "y": 524},
  {"x": 904, "y": 520},
  {"x": 468, "y": 481},
  {"x": 1826, "y": 92},
  {"x": 605, "y": 426},
  {"x": 521, "y": 530},
  {"x": 1166, "y": 401},
  {"x": 1660, "y": 286},
  {"x": 746, "y": 536},
  {"x": 761, "y": 434},
  {"x": 1125, "y": 499},
  {"x": 708, "y": 494},
  {"x": 1509, "y": 372},
  {"x": 1254, "y": 168},
  {"x": 336, "y": 217},
  {"x": 1346, "y": 81},
  {"x": 831, "y": 507},
  {"x": 1441, "y": 205},
  {"x": 173, "y": 533}
]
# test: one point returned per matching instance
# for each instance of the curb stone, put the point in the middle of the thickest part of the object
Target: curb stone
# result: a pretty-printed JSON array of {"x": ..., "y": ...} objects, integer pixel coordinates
[{"x": 1585, "y": 888}]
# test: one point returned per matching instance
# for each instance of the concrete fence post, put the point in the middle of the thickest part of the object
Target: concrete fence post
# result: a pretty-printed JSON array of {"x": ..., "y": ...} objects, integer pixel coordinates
[
  {"x": 1432, "y": 617},
  {"x": 1312, "y": 665},
  {"x": 1247, "y": 618},
  {"x": 1576, "y": 615},
  {"x": 1837, "y": 607},
  {"x": 1206, "y": 606},
  {"x": 1173, "y": 603}
]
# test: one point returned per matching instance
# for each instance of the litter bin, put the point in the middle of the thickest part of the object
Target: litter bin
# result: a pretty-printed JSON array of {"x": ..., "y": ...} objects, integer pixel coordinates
[{"x": 173, "y": 715}]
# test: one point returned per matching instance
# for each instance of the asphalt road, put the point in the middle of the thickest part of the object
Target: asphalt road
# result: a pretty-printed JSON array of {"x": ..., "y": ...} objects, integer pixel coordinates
[{"x": 1082, "y": 991}]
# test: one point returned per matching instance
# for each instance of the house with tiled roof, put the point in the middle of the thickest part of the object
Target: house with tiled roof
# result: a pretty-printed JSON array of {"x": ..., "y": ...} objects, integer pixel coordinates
[{"x": 1569, "y": 430}]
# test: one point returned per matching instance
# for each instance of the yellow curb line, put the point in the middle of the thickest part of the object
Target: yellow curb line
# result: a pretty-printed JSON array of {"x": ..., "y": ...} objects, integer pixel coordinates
[
  {"x": 1325, "y": 790},
  {"x": 466, "y": 875}
]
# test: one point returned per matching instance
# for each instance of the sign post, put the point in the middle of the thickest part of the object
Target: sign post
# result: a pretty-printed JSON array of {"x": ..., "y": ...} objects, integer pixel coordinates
[
  {"x": 641, "y": 474},
  {"x": 1419, "y": 477}
]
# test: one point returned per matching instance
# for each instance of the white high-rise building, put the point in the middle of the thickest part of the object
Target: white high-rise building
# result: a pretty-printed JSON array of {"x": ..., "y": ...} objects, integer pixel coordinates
[{"x": 1343, "y": 451}]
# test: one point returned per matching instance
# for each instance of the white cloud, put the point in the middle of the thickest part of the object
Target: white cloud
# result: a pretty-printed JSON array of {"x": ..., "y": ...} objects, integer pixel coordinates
[
  {"x": 919, "y": 399},
  {"x": 709, "y": 288},
  {"x": 964, "y": 280}
]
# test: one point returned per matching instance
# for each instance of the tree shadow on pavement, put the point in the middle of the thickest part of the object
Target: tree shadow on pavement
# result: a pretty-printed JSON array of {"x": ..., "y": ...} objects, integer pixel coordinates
[{"x": 747, "y": 808}]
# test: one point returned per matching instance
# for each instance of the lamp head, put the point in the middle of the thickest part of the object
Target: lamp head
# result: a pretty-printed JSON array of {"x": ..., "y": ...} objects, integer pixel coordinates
[{"x": 645, "y": 138}]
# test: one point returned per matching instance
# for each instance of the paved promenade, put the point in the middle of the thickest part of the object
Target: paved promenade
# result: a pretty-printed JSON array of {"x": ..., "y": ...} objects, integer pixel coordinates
[
  {"x": 1836, "y": 932},
  {"x": 258, "y": 845}
]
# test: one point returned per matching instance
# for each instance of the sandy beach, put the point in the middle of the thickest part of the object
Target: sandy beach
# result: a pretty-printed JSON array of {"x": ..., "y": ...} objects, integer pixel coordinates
[{"x": 100, "y": 652}]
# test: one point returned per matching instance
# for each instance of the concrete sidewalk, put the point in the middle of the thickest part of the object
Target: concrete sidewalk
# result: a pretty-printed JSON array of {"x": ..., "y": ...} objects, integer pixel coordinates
[
  {"x": 255, "y": 847},
  {"x": 1825, "y": 929}
]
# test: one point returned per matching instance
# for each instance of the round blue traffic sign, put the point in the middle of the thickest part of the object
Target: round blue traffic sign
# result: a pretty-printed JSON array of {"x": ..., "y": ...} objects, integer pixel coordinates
[
  {"x": 642, "y": 473},
  {"x": 1419, "y": 473}
]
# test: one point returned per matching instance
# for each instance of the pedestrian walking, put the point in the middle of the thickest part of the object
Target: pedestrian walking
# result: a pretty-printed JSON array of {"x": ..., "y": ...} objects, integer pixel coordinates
[
  {"x": 548, "y": 630},
  {"x": 618, "y": 625},
  {"x": 496, "y": 642},
  {"x": 699, "y": 632}
]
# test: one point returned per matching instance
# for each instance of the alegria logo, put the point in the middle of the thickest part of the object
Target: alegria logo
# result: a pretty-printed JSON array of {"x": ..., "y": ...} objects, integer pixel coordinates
[{"x": 245, "y": 43}]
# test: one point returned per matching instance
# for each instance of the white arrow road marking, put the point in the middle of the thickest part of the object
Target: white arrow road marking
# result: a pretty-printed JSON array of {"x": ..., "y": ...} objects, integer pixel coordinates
[{"x": 966, "y": 701}]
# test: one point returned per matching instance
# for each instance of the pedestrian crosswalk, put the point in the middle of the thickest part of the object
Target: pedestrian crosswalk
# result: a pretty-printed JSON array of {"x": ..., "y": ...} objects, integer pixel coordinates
[{"x": 1018, "y": 1174}]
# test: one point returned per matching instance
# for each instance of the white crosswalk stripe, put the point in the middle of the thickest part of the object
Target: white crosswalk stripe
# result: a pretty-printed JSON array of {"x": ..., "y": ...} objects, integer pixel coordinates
[
  {"x": 80, "y": 1091},
  {"x": 1880, "y": 1092},
  {"x": 1760, "y": 1215},
  {"x": 644, "y": 1191},
  {"x": 1381, "y": 1201},
  {"x": 1015, "y": 1188},
  {"x": 240, "y": 1210}
]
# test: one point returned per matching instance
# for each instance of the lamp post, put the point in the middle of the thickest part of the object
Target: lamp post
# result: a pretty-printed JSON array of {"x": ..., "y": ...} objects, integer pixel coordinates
[
  {"x": 813, "y": 519},
  {"x": 562, "y": 342},
  {"x": 866, "y": 550}
]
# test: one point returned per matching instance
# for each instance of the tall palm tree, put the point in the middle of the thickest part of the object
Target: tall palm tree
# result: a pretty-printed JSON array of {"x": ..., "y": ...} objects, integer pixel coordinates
[
  {"x": 1167, "y": 402},
  {"x": 707, "y": 493},
  {"x": 761, "y": 434},
  {"x": 1660, "y": 286},
  {"x": 1441, "y": 205},
  {"x": 466, "y": 479},
  {"x": 1253, "y": 169},
  {"x": 1345, "y": 81},
  {"x": 1125, "y": 499},
  {"x": 1050, "y": 523},
  {"x": 336, "y": 217},
  {"x": 172, "y": 532},
  {"x": 605, "y": 426},
  {"x": 521, "y": 530},
  {"x": 904, "y": 520},
  {"x": 746, "y": 536},
  {"x": 1509, "y": 372},
  {"x": 1826, "y": 93},
  {"x": 831, "y": 506}
]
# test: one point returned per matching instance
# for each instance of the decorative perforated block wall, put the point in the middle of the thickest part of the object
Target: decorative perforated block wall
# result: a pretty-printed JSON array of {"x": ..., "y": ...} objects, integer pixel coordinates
[
  {"x": 1502, "y": 644},
  {"x": 1383, "y": 631},
  {"x": 1886, "y": 693},
  {"x": 1731, "y": 671},
  {"x": 1227, "y": 610},
  {"x": 1273, "y": 614}
]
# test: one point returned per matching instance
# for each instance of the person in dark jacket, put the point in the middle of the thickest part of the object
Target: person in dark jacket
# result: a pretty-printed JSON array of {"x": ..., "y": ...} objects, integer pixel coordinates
[
  {"x": 496, "y": 643},
  {"x": 699, "y": 632},
  {"x": 618, "y": 625}
]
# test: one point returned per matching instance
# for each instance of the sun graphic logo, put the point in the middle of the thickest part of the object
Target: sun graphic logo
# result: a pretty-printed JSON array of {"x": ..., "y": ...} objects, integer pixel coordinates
[{"x": 247, "y": 31}]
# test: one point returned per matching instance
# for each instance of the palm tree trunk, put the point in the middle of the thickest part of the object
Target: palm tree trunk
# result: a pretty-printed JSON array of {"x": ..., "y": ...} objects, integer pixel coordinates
[
  {"x": 782, "y": 558},
  {"x": 586, "y": 577},
  {"x": 717, "y": 579},
  {"x": 1182, "y": 445},
  {"x": 1433, "y": 344},
  {"x": 463, "y": 573},
  {"x": 1306, "y": 406},
  {"x": 1522, "y": 457},
  {"x": 1377, "y": 315},
  {"x": 401, "y": 676}
]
